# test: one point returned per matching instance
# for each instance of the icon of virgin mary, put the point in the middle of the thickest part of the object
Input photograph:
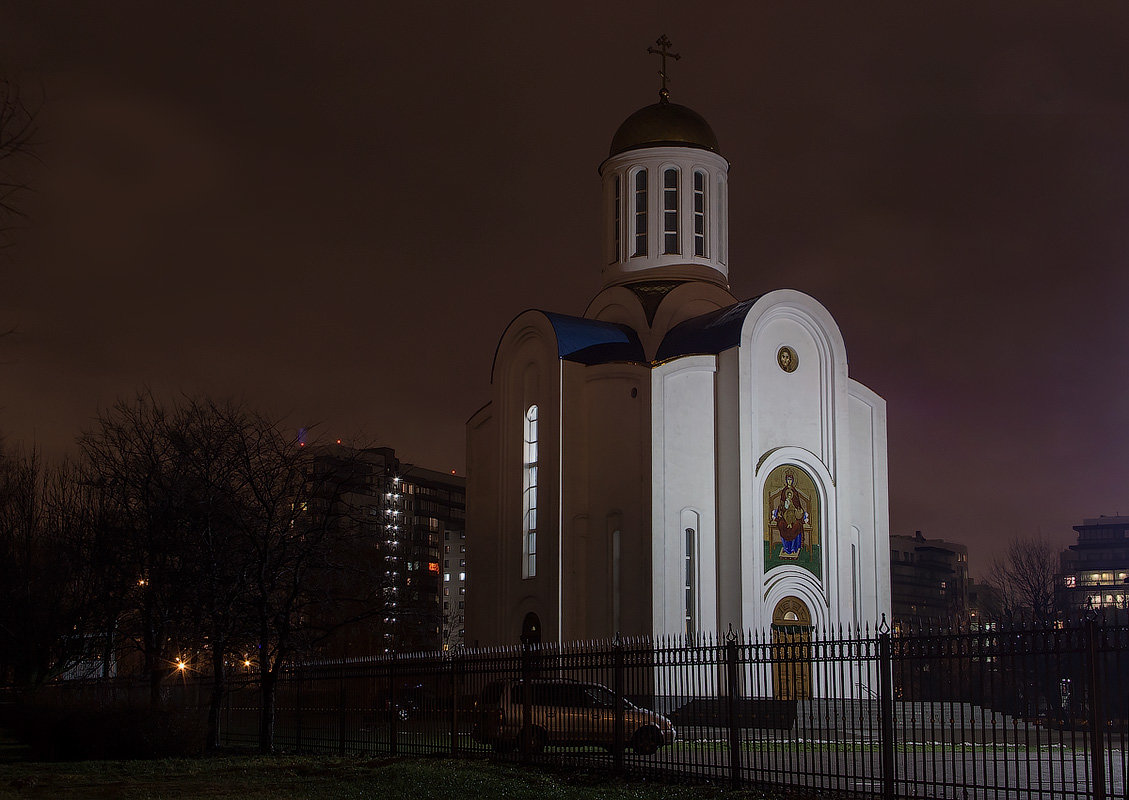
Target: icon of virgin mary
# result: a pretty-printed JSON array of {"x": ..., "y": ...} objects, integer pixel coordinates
[{"x": 789, "y": 518}]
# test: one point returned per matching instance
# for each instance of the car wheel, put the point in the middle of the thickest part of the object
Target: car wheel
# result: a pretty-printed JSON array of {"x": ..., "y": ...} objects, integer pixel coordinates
[{"x": 647, "y": 741}]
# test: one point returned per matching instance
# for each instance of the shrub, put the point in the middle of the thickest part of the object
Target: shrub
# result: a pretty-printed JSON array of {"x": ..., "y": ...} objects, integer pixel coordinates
[{"x": 60, "y": 734}]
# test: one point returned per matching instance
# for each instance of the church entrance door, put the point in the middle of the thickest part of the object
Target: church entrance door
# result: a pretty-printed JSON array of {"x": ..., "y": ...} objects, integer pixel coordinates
[
  {"x": 791, "y": 650},
  {"x": 531, "y": 629}
]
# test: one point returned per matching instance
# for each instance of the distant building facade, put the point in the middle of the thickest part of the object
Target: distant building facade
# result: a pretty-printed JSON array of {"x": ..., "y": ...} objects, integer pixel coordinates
[
  {"x": 928, "y": 580},
  {"x": 404, "y": 516},
  {"x": 1094, "y": 570},
  {"x": 453, "y": 613},
  {"x": 983, "y": 603}
]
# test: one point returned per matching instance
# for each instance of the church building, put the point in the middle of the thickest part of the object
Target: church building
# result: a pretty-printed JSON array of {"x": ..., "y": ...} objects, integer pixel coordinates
[{"x": 674, "y": 460}]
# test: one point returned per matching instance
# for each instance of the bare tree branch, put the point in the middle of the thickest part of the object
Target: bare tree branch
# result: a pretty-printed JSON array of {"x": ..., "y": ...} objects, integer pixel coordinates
[
  {"x": 18, "y": 131},
  {"x": 1023, "y": 581}
]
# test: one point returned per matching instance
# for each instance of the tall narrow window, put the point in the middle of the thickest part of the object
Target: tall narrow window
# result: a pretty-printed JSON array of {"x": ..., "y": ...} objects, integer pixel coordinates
[
  {"x": 670, "y": 211},
  {"x": 689, "y": 584},
  {"x": 529, "y": 495},
  {"x": 700, "y": 214},
  {"x": 640, "y": 213},
  {"x": 616, "y": 220}
]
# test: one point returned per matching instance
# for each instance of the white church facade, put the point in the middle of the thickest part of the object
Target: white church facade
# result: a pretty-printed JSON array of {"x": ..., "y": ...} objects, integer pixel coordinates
[{"x": 674, "y": 461}]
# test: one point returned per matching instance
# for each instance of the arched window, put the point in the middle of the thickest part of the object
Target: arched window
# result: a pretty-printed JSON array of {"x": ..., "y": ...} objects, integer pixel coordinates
[
  {"x": 721, "y": 215},
  {"x": 640, "y": 213},
  {"x": 529, "y": 495},
  {"x": 616, "y": 220},
  {"x": 690, "y": 583},
  {"x": 700, "y": 214},
  {"x": 670, "y": 211}
]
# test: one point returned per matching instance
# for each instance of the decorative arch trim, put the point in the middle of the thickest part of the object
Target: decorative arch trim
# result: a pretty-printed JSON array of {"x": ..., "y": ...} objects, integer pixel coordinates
[{"x": 768, "y": 453}]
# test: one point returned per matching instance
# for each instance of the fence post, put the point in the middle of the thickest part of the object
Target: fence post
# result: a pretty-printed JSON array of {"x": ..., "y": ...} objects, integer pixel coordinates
[
  {"x": 342, "y": 721},
  {"x": 1097, "y": 724},
  {"x": 456, "y": 670},
  {"x": 732, "y": 688},
  {"x": 886, "y": 708},
  {"x": 617, "y": 712},
  {"x": 526, "y": 739},
  {"x": 225, "y": 731},
  {"x": 393, "y": 714},
  {"x": 298, "y": 709}
]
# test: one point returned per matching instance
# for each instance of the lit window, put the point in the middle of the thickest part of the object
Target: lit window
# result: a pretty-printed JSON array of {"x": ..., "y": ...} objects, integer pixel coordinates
[
  {"x": 446, "y": 576},
  {"x": 700, "y": 214},
  {"x": 616, "y": 221},
  {"x": 462, "y": 576},
  {"x": 640, "y": 213},
  {"x": 670, "y": 211},
  {"x": 689, "y": 588},
  {"x": 529, "y": 495}
]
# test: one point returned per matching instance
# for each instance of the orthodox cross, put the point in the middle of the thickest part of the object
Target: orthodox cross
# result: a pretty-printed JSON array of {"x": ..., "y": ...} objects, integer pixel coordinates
[{"x": 663, "y": 43}]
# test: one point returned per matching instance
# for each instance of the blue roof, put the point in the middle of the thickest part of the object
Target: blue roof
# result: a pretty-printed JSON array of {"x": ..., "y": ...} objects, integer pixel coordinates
[
  {"x": 590, "y": 341},
  {"x": 708, "y": 334}
]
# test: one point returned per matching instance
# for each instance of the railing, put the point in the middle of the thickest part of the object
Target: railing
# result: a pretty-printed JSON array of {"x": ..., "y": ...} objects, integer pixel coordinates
[{"x": 1009, "y": 714}]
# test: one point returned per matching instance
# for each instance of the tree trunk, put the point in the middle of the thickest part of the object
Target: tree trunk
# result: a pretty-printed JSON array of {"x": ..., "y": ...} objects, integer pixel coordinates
[
  {"x": 219, "y": 688},
  {"x": 268, "y": 683},
  {"x": 155, "y": 678}
]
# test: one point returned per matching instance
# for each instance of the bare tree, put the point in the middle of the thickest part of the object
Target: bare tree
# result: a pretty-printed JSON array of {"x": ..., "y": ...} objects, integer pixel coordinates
[
  {"x": 133, "y": 465},
  {"x": 1023, "y": 581},
  {"x": 221, "y": 531},
  {"x": 18, "y": 130},
  {"x": 48, "y": 585},
  {"x": 291, "y": 510},
  {"x": 205, "y": 434}
]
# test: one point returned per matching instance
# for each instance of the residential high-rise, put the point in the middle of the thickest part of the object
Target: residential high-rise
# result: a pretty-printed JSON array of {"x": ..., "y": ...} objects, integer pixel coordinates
[{"x": 404, "y": 516}]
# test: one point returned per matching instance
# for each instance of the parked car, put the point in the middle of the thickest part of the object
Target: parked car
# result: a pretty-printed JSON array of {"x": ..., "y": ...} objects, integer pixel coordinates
[{"x": 565, "y": 712}]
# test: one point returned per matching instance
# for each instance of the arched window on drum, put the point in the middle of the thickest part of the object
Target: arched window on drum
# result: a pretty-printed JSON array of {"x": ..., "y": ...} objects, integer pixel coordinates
[{"x": 529, "y": 495}]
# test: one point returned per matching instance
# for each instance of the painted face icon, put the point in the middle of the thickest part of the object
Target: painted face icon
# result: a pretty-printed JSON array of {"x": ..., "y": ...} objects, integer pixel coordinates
[{"x": 786, "y": 358}]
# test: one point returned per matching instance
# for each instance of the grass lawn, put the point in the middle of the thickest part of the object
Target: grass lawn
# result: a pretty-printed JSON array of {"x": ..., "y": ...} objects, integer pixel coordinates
[{"x": 324, "y": 778}]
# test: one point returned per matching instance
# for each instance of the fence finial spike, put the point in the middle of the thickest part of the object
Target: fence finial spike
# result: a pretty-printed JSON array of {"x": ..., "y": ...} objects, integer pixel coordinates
[{"x": 884, "y": 627}]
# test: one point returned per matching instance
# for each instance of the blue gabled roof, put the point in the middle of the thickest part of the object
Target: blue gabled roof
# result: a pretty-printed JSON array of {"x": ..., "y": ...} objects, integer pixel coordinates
[
  {"x": 707, "y": 334},
  {"x": 590, "y": 341}
]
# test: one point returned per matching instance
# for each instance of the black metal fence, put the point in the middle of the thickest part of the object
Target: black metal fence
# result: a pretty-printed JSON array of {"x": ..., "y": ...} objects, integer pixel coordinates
[{"x": 1015, "y": 713}]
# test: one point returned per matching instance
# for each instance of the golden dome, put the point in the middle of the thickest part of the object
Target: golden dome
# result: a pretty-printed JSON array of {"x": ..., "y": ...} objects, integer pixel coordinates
[{"x": 664, "y": 124}]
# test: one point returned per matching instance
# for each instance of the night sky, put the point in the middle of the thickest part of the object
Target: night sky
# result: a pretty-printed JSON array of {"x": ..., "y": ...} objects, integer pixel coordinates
[{"x": 333, "y": 212}]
